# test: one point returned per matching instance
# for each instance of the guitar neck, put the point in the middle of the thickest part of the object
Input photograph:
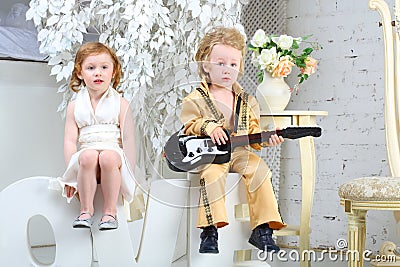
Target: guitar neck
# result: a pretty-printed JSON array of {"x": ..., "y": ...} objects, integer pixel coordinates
[
  {"x": 289, "y": 132},
  {"x": 242, "y": 140}
]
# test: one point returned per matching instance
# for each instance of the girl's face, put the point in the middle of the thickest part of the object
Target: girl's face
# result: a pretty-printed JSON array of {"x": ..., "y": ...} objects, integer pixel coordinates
[
  {"x": 97, "y": 72},
  {"x": 223, "y": 65}
]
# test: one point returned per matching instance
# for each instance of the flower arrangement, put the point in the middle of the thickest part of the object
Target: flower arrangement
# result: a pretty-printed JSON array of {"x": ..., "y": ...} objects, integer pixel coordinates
[{"x": 277, "y": 55}]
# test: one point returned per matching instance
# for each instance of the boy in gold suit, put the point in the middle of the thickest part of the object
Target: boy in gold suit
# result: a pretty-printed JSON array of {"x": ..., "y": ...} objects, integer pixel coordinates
[{"x": 211, "y": 109}]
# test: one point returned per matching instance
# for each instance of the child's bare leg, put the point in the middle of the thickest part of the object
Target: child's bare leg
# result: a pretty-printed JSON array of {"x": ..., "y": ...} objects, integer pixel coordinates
[
  {"x": 87, "y": 182},
  {"x": 110, "y": 164}
]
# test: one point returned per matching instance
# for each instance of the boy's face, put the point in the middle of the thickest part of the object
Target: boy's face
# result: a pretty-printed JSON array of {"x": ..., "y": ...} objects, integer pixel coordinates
[{"x": 223, "y": 65}]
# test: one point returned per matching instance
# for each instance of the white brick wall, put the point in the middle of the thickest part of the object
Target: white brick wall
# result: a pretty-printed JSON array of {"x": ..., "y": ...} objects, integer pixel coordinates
[{"x": 349, "y": 85}]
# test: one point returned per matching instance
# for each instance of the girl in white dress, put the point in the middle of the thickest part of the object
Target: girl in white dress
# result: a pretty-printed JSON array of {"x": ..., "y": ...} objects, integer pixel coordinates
[{"x": 94, "y": 127}]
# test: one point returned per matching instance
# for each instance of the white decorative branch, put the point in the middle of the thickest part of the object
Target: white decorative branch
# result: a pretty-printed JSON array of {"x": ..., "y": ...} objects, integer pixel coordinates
[{"x": 155, "y": 41}]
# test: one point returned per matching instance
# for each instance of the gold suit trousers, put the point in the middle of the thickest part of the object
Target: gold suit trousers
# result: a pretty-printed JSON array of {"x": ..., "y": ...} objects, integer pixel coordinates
[{"x": 256, "y": 177}]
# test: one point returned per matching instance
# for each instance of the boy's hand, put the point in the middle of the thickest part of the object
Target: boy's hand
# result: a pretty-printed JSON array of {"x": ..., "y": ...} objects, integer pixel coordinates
[
  {"x": 275, "y": 140},
  {"x": 219, "y": 136}
]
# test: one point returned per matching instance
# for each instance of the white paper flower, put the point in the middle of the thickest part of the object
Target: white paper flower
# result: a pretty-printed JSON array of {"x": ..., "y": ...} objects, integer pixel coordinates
[
  {"x": 259, "y": 38},
  {"x": 284, "y": 41}
]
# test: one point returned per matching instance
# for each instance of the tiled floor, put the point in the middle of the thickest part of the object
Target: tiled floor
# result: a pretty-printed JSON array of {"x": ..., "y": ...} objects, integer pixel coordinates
[
  {"x": 44, "y": 256},
  {"x": 287, "y": 261},
  {"x": 325, "y": 263}
]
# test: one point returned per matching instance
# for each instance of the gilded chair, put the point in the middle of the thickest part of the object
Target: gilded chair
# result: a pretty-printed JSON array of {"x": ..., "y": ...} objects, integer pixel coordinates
[{"x": 378, "y": 193}]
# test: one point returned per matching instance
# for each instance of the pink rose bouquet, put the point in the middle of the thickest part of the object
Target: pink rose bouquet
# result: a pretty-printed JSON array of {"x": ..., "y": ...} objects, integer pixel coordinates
[
  {"x": 278, "y": 55},
  {"x": 311, "y": 66},
  {"x": 283, "y": 68}
]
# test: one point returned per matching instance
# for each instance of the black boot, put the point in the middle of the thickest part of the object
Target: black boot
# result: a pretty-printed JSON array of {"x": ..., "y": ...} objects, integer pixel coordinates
[
  {"x": 209, "y": 240},
  {"x": 261, "y": 237}
]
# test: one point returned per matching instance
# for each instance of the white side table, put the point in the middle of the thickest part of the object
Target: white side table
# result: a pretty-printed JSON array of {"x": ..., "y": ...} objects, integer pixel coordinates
[{"x": 270, "y": 121}]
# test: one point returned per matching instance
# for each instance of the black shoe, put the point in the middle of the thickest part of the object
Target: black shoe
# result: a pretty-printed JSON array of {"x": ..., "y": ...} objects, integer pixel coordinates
[
  {"x": 209, "y": 240},
  {"x": 261, "y": 237}
]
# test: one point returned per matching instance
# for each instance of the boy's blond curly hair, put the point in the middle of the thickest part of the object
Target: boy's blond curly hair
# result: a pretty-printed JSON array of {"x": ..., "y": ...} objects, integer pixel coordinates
[{"x": 219, "y": 35}]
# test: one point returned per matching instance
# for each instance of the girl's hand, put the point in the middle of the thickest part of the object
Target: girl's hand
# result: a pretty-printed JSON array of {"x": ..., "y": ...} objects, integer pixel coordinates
[
  {"x": 219, "y": 136},
  {"x": 70, "y": 190}
]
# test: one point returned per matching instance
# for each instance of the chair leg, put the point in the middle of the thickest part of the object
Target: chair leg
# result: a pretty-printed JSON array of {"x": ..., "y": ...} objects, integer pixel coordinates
[{"x": 356, "y": 237}]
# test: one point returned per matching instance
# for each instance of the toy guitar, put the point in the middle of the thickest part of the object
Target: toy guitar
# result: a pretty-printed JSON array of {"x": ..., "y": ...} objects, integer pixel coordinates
[{"x": 186, "y": 152}]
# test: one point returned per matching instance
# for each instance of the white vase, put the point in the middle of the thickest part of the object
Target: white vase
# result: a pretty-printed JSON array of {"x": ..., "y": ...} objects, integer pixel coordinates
[{"x": 273, "y": 94}]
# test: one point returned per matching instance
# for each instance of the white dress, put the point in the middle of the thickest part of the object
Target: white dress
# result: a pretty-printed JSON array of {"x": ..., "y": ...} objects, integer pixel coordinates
[{"x": 99, "y": 130}]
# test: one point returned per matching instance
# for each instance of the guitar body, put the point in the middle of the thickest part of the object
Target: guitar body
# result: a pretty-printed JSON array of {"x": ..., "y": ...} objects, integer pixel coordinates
[{"x": 185, "y": 153}]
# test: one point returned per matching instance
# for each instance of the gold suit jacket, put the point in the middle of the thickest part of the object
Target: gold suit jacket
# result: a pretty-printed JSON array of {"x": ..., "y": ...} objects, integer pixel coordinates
[{"x": 201, "y": 119}]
